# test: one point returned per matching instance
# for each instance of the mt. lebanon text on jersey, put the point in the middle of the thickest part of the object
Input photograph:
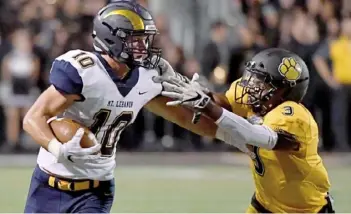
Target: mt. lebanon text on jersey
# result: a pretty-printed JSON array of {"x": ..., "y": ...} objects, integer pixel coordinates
[{"x": 120, "y": 104}]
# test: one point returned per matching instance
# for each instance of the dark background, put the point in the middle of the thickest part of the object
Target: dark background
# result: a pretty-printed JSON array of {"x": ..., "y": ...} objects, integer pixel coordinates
[{"x": 213, "y": 38}]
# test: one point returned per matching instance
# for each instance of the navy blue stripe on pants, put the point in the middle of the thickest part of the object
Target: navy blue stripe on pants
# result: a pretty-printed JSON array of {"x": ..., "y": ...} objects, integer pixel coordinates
[{"x": 43, "y": 198}]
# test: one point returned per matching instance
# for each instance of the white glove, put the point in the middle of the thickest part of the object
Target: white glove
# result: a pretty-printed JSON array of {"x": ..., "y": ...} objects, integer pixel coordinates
[
  {"x": 72, "y": 149},
  {"x": 188, "y": 94},
  {"x": 195, "y": 82},
  {"x": 165, "y": 70}
]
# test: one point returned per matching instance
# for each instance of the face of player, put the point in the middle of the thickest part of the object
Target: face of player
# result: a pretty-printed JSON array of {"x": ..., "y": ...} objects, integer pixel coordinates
[
  {"x": 255, "y": 86},
  {"x": 139, "y": 46}
]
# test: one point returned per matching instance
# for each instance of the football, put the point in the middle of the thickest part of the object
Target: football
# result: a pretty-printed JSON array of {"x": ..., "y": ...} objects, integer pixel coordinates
[{"x": 64, "y": 129}]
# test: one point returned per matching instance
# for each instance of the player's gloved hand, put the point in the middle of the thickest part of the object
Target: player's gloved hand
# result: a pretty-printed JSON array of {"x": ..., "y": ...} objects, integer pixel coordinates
[
  {"x": 188, "y": 94},
  {"x": 195, "y": 81},
  {"x": 165, "y": 70},
  {"x": 72, "y": 149}
]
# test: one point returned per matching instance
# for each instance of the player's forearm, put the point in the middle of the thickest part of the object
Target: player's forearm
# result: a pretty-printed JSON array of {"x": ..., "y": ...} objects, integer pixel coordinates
[
  {"x": 221, "y": 100},
  {"x": 205, "y": 127},
  {"x": 182, "y": 117},
  {"x": 36, "y": 126},
  {"x": 213, "y": 110}
]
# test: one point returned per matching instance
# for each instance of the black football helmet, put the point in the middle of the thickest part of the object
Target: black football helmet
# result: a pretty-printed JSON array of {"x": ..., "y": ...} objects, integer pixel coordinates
[
  {"x": 272, "y": 77},
  {"x": 125, "y": 31}
]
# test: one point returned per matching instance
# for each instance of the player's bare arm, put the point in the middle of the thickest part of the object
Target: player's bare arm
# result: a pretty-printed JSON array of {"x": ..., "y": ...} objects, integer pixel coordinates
[
  {"x": 49, "y": 104},
  {"x": 221, "y": 100},
  {"x": 182, "y": 117}
]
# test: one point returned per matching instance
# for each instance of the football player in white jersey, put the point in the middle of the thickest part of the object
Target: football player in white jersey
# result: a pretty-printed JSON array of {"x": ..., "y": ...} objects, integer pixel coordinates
[{"x": 104, "y": 91}]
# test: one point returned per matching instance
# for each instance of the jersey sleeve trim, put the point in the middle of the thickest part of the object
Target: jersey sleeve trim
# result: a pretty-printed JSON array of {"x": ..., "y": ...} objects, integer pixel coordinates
[{"x": 65, "y": 78}]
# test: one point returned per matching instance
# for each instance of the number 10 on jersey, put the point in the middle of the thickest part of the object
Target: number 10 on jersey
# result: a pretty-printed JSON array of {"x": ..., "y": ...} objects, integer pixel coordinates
[{"x": 113, "y": 132}]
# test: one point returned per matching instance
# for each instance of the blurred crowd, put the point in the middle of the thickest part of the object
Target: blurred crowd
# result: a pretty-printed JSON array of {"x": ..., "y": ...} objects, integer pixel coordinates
[{"x": 211, "y": 37}]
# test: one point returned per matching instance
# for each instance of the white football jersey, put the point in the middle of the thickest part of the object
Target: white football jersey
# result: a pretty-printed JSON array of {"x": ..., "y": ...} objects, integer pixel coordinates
[{"x": 108, "y": 105}]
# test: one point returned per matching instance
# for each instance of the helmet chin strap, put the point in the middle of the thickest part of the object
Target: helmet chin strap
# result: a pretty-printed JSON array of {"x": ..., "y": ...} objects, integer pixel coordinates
[{"x": 120, "y": 60}]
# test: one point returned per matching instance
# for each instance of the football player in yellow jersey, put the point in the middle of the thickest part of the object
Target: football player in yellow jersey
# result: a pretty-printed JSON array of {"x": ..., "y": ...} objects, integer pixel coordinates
[{"x": 280, "y": 132}]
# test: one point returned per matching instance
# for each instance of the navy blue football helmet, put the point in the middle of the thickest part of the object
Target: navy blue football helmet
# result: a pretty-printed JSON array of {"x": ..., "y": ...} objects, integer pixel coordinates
[{"x": 125, "y": 31}]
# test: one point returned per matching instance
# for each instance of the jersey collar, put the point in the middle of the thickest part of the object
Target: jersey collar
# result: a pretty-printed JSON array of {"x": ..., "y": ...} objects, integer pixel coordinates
[{"x": 124, "y": 85}]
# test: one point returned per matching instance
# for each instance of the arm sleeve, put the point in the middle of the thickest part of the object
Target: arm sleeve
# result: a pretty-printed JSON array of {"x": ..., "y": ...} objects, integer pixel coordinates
[
  {"x": 65, "y": 78},
  {"x": 229, "y": 139},
  {"x": 256, "y": 135}
]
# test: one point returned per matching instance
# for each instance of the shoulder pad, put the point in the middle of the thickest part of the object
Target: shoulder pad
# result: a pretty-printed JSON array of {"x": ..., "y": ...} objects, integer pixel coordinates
[
  {"x": 66, "y": 71},
  {"x": 293, "y": 118},
  {"x": 79, "y": 59}
]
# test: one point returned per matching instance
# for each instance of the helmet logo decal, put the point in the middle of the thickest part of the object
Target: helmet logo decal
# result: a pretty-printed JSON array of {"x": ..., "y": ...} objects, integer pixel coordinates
[
  {"x": 290, "y": 69},
  {"x": 134, "y": 18}
]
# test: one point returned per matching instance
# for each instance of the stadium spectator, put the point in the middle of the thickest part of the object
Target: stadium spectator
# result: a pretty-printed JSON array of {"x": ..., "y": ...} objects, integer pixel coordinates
[
  {"x": 305, "y": 27},
  {"x": 216, "y": 54},
  {"x": 341, "y": 54},
  {"x": 21, "y": 71},
  {"x": 325, "y": 84}
]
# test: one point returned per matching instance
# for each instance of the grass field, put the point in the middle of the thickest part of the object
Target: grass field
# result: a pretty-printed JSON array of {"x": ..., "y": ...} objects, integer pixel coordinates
[{"x": 173, "y": 188}]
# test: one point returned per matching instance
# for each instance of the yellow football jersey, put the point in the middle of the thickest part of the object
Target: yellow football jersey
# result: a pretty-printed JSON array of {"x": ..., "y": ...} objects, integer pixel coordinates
[{"x": 294, "y": 181}]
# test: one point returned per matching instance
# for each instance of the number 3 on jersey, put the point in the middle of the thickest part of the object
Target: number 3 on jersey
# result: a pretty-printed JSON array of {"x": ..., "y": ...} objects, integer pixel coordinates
[
  {"x": 113, "y": 132},
  {"x": 259, "y": 167}
]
